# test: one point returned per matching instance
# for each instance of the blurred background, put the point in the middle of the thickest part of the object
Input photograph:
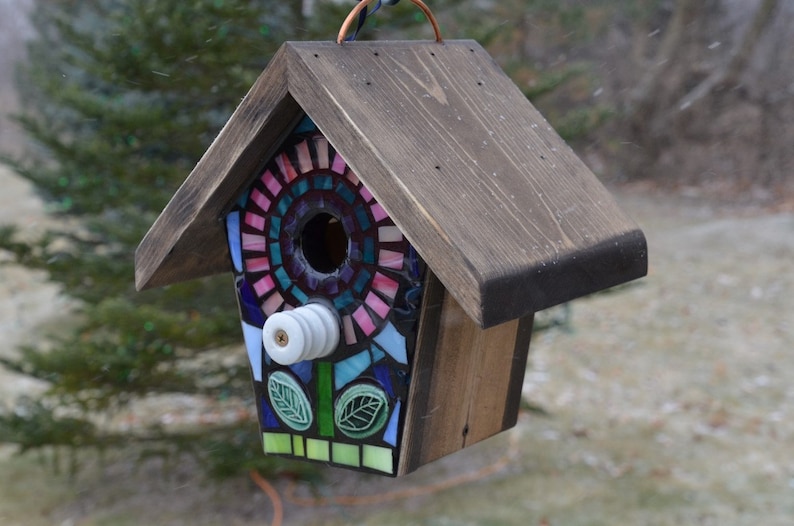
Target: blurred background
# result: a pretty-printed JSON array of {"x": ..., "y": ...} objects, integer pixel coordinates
[{"x": 666, "y": 401}]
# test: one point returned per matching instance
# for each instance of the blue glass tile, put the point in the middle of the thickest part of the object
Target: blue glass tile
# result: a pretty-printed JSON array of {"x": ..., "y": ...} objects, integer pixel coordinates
[
  {"x": 300, "y": 187},
  {"x": 296, "y": 268},
  {"x": 348, "y": 223},
  {"x": 287, "y": 250},
  {"x": 275, "y": 227},
  {"x": 290, "y": 225},
  {"x": 331, "y": 288},
  {"x": 354, "y": 251},
  {"x": 323, "y": 182},
  {"x": 312, "y": 281},
  {"x": 383, "y": 374},
  {"x": 303, "y": 370},
  {"x": 283, "y": 278},
  {"x": 362, "y": 217},
  {"x": 361, "y": 281},
  {"x": 283, "y": 204},
  {"x": 393, "y": 427},
  {"x": 253, "y": 344},
  {"x": 269, "y": 420},
  {"x": 233, "y": 237},
  {"x": 369, "y": 251},
  {"x": 305, "y": 125},
  {"x": 346, "y": 274},
  {"x": 343, "y": 300},
  {"x": 249, "y": 305},
  {"x": 299, "y": 295},
  {"x": 348, "y": 370},
  {"x": 413, "y": 262},
  {"x": 391, "y": 341},
  {"x": 301, "y": 208},
  {"x": 275, "y": 254},
  {"x": 345, "y": 193}
]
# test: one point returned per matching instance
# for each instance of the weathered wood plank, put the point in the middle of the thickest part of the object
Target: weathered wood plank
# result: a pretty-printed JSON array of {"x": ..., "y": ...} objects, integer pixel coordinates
[
  {"x": 493, "y": 199},
  {"x": 188, "y": 240}
]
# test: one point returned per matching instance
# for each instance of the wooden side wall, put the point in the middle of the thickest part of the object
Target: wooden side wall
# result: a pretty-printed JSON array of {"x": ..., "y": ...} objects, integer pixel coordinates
[{"x": 466, "y": 381}]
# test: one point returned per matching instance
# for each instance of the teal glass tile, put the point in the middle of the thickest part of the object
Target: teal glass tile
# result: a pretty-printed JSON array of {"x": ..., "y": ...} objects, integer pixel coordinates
[
  {"x": 243, "y": 199},
  {"x": 349, "y": 369},
  {"x": 361, "y": 281},
  {"x": 377, "y": 354},
  {"x": 233, "y": 238},
  {"x": 369, "y": 251},
  {"x": 362, "y": 217},
  {"x": 283, "y": 204},
  {"x": 283, "y": 278},
  {"x": 323, "y": 182},
  {"x": 345, "y": 193},
  {"x": 275, "y": 227},
  {"x": 300, "y": 187},
  {"x": 306, "y": 125},
  {"x": 343, "y": 300},
  {"x": 391, "y": 341},
  {"x": 299, "y": 295},
  {"x": 275, "y": 254}
]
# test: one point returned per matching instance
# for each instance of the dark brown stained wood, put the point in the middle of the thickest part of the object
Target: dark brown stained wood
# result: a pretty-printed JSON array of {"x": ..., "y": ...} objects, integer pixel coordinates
[
  {"x": 465, "y": 382},
  {"x": 493, "y": 199},
  {"x": 188, "y": 240}
]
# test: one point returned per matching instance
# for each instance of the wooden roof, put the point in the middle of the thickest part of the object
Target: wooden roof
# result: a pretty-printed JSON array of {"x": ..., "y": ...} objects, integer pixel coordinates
[{"x": 501, "y": 209}]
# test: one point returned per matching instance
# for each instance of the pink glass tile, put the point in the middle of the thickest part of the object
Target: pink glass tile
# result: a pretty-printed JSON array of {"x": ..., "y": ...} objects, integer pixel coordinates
[
  {"x": 260, "y": 199},
  {"x": 271, "y": 182},
  {"x": 352, "y": 177},
  {"x": 255, "y": 221},
  {"x": 390, "y": 259},
  {"x": 304, "y": 157},
  {"x": 364, "y": 320},
  {"x": 254, "y": 242},
  {"x": 365, "y": 193},
  {"x": 385, "y": 285},
  {"x": 264, "y": 285},
  {"x": 339, "y": 164},
  {"x": 272, "y": 304},
  {"x": 350, "y": 333},
  {"x": 287, "y": 170},
  {"x": 321, "y": 146},
  {"x": 389, "y": 234},
  {"x": 378, "y": 212},
  {"x": 377, "y": 305},
  {"x": 257, "y": 264}
]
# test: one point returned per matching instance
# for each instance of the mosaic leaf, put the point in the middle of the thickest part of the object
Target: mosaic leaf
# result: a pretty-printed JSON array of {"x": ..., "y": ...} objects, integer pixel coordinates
[
  {"x": 362, "y": 410},
  {"x": 289, "y": 401}
]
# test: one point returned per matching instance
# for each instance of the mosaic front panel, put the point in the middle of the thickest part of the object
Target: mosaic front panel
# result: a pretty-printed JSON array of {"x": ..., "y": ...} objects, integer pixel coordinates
[{"x": 308, "y": 230}]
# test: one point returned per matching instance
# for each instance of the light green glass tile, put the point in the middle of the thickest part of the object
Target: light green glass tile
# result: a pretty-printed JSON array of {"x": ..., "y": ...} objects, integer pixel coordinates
[
  {"x": 317, "y": 449},
  {"x": 297, "y": 446},
  {"x": 346, "y": 454},
  {"x": 379, "y": 458},
  {"x": 277, "y": 443}
]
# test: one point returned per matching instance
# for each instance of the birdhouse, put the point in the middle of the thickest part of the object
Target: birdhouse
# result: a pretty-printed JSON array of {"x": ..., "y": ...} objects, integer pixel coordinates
[{"x": 394, "y": 213}]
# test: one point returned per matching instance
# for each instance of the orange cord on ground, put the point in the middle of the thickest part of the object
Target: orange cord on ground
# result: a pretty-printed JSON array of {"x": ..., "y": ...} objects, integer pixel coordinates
[{"x": 363, "y": 500}]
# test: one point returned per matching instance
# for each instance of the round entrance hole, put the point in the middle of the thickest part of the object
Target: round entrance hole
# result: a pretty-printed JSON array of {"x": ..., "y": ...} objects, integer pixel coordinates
[{"x": 323, "y": 242}]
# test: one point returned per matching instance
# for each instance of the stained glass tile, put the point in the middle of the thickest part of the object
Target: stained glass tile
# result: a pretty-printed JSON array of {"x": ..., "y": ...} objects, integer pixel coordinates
[
  {"x": 305, "y": 164},
  {"x": 321, "y": 149},
  {"x": 354, "y": 250},
  {"x": 348, "y": 370},
  {"x": 393, "y": 427},
  {"x": 269, "y": 420},
  {"x": 253, "y": 344},
  {"x": 283, "y": 204},
  {"x": 350, "y": 332},
  {"x": 285, "y": 165},
  {"x": 349, "y": 223},
  {"x": 376, "y": 353},
  {"x": 289, "y": 225},
  {"x": 306, "y": 125},
  {"x": 271, "y": 183},
  {"x": 261, "y": 200},
  {"x": 243, "y": 199},
  {"x": 389, "y": 234},
  {"x": 278, "y": 443},
  {"x": 312, "y": 281},
  {"x": 323, "y": 182},
  {"x": 301, "y": 187},
  {"x": 378, "y": 212},
  {"x": 345, "y": 454},
  {"x": 318, "y": 450},
  {"x": 345, "y": 193},
  {"x": 390, "y": 259},
  {"x": 255, "y": 221},
  {"x": 283, "y": 278},
  {"x": 298, "y": 448},
  {"x": 364, "y": 321},
  {"x": 302, "y": 370},
  {"x": 377, "y": 305},
  {"x": 383, "y": 374},
  {"x": 287, "y": 250},
  {"x": 365, "y": 194},
  {"x": 369, "y": 251},
  {"x": 325, "y": 399},
  {"x": 362, "y": 218},
  {"x": 264, "y": 285},
  {"x": 343, "y": 300},
  {"x": 385, "y": 285},
  {"x": 377, "y": 458},
  {"x": 339, "y": 165},
  {"x": 413, "y": 262},
  {"x": 352, "y": 177},
  {"x": 249, "y": 305},
  {"x": 361, "y": 281},
  {"x": 332, "y": 287},
  {"x": 275, "y": 228},
  {"x": 254, "y": 242},
  {"x": 273, "y": 303},
  {"x": 275, "y": 254},
  {"x": 258, "y": 264},
  {"x": 391, "y": 341},
  {"x": 233, "y": 238},
  {"x": 299, "y": 295},
  {"x": 302, "y": 207}
]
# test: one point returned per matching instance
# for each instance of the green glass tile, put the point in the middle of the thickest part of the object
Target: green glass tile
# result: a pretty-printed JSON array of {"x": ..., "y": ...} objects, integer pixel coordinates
[
  {"x": 317, "y": 449},
  {"x": 325, "y": 399},
  {"x": 277, "y": 443},
  {"x": 346, "y": 454},
  {"x": 297, "y": 446},
  {"x": 379, "y": 458}
]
